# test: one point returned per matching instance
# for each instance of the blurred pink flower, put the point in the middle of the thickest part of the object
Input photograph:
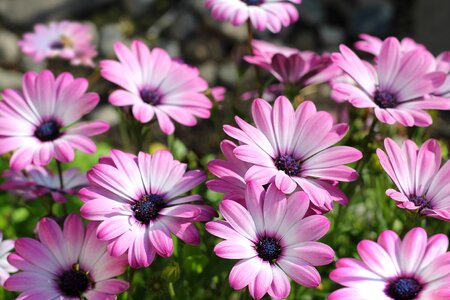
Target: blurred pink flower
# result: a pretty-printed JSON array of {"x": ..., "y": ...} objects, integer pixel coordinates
[
  {"x": 415, "y": 268},
  {"x": 68, "y": 40},
  {"x": 65, "y": 264},
  {"x": 39, "y": 122},
  {"x": 423, "y": 187},
  {"x": 273, "y": 240},
  {"x": 397, "y": 89},
  {"x": 36, "y": 181},
  {"x": 292, "y": 66},
  {"x": 218, "y": 93},
  {"x": 5, "y": 267},
  {"x": 153, "y": 83},
  {"x": 373, "y": 45},
  {"x": 294, "y": 149},
  {"x": 138, "y": 199},
  {"x": 263, "y": 14}
]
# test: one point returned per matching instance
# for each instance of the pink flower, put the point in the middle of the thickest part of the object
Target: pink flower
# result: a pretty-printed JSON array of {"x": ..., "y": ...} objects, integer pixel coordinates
[
  {"x": 293, "y": 149},
  {"x": 273, "y": 240},
  {"x": 139, "y": 201},
  {"x": 65, "y": 264},
  {"x": 40, "y": 121},
  {"x": 67, "y": 40},
  {"x": 291, "y": 66},
  {"x": 263, "y": 14},
  {"x": 35, "y": 182},
  {"x": 422, "y": 186},
  {"x": 5, "y": 267},
  {"x": 373, "y": 45},
  {"x": 397, "y": 89},
  {"x": 153, "y": 83},
  {"x": 218, "y": 93},
  {"x": 415, "y": 268}
]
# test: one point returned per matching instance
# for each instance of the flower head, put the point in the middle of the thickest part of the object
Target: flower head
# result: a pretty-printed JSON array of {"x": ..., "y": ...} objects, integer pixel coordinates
[
  {"x": 414, "y": 268},
  {"x": 5, "y": 267},
  {"x": 65, "y": 264},
  {"x": 273, "y": 240},
  {"x": 65, "y": 39},
  {"x": 373, "y": 45},
  {"x": 154, "y": 84},
  {"x": 140, "y": 203},
  {"x": 39, "y": 122},
  {"x": 292, "y": 66},
  {"x": 263, "y": 14},
  {"x": 35, "y": 182},
  {"x": 422, "y": 185},
  {"x": 294, "y": 150},
  {"x": 397, "y": 88}
]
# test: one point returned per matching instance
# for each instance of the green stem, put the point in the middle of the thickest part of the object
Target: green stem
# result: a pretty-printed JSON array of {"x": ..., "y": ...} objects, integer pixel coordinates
[
  {"x": 60, "y": 175},
  {"x": 130, "y": 278}
]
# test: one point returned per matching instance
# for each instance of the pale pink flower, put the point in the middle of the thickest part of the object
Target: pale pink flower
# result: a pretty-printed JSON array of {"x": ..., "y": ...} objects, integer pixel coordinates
[
  {"x": 141, "y": 202},
  {"x": 263, "y": 14},
  {"x": 5, "y": 267},
  {"x": 34, "y": 182},
  {"x": 273, "y": 240},
  {"x": 398, "y": 88},
  {"x": 294, "y": 150},
  {"x": 68, "y": 40},
  {"x": 40, "y": 122},
  {"x": 154, "y": 84},
  {"x": 415, "y": 268},
  {"x": 65, "y": 264},
  {"x": 373, "y": 45},
  {"x": 422, "y": 185},
  {"x": 218, "y": 93}
]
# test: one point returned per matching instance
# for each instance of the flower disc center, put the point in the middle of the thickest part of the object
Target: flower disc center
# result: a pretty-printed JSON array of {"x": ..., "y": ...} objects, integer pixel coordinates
[
  {"x": 268, "y": 249},
  {"x": 73, "y": 283},
  {"x": 288, "y": 164},
  {"x": 385, "y": 99},
  {"x": 403, "y": 289},
  {"x": 147, "y": 208},
  {"x": 150, "y": 96},
  {"x": 48, "y": 131}
]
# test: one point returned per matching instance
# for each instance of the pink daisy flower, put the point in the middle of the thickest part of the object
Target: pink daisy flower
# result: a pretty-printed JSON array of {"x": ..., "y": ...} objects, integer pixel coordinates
[
  {"x": 293, "y": 149},
  {"x": 155, "y": 84},
  {"x": 397, "y": 89},
  {"x": 39, "y": 122},
  {"x": 291, "y": 66},
  {"x": 373, "y": 45},
  {"x": 68, "y": 40},
  {"x": 139, "y": 201},
  {"x": 5, "y": 267},
  {"x": 423, "y": 187},
  {"x": 35, "y": 182},
  {"x": 263, "y": 14},
  {"x": 273, "y": 240},
  {"x": 415, "y": 268},
  {"x": 65, "y": 264}
]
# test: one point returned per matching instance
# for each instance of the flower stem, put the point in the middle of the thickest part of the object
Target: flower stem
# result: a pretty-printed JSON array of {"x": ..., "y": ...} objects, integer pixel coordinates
[
  {"x": 60, "y": 175},
  {"x": 250, "y": 49}
]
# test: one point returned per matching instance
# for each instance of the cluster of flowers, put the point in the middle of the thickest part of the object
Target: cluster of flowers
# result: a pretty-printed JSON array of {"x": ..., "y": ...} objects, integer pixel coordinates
[{"x": 278, "y": 181}]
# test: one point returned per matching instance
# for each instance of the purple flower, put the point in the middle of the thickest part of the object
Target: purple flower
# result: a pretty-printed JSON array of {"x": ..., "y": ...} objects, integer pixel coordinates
[
  {"x": 65, "y": 264},
  {"x": 39, "y": 122},
  {"x": 5, "y": 267},
  {"x": 139, "y": 201},
  {"x": 273, "y": 241},
  {"x": 415, "y": 268}
]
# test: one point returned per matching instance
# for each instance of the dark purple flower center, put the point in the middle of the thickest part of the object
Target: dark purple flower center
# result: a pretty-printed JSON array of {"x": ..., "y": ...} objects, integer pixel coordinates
[
  {"x": 385, "y": 99},
  {"x": 253, "y": 2},
  {"x": 147, "y": 208},
  {"x": 268, "y": 249},
  {"x": 288, "y": 164},
  {"x": 420, "y": 201},
  {"x": 48, "y": 131},
  {"x": 57, "y": 45},
  {"x": 150, "y": 96},
  {"x": 403, "y": 289},
  {"x": 74, "y": 282}
]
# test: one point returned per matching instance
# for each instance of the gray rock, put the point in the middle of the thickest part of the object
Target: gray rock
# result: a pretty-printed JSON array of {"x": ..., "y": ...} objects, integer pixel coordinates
[
  {"x": 10, "y": 79},
  {"x": 27, "y": 12},
  {"x": 9, "y": 50}
]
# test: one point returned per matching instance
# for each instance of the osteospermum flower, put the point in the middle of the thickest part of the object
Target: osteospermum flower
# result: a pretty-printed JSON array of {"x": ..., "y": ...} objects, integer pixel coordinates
[
  {"x": 397, "y": 88},
  {"x": 423, "y": 187},
  {"x": 273, "y": 240},
  {"x": 65, "y": 264},
  {"x": 415, "y": 268},
  {"x": 293, "y": 149},
  {"x": 5, "y": 267},
  {"x": 139, "y": 201},
  {"x": 373, "y": 45},
  {"x": 36, "y": 181},
  {"x": 263, "y": 14},
  {"x": 39, "y": 122},
  {"x": 155, "y": 84},
  {"x": 292, "y": 66},
  {"x": 65, "y": 39}
]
